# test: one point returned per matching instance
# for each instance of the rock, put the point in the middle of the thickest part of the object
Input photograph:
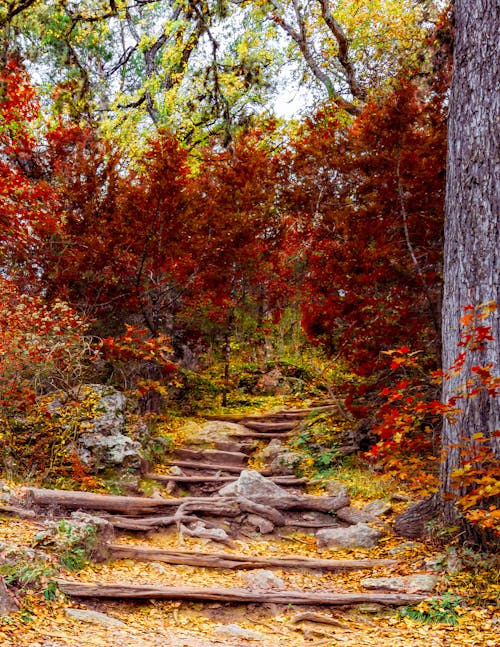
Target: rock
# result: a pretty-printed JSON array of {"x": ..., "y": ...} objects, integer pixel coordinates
[
  {"x": 334, "y": 487},
  {"x": 7, "y": 604},
  {"x": 407, "y": 583},
  {"x": 94, "y": 617},
  {"x": 402, "y": 548},
  {"x": 286, "y": 462},
  {"x": 358, "y": 536},
  {"x": 370, "y": 607},
  {"x": 271, "y": 450},
  {"x": 378, "y": 508},
  {"x": 235, "y": 631},
  {"x": 80, "y": 531},
  {"x": 101, "y": 442},
  {"x": 264, "y": 580},
  {"x": 256, "y": 487},
  {"x": 273, "y": 383},
  {"x": 210, "y": 432},
  {"x": 199, "y": 529},
  {"x": 354, "y": 516},
  {"x": 264, "y": 526}
]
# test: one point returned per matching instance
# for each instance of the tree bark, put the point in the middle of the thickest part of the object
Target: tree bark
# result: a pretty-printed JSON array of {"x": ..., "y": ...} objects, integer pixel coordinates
[
  {"x": 471, "y": 271},
  {"x": 148, "y": 592},
  {"x": 233, "y": 561}
]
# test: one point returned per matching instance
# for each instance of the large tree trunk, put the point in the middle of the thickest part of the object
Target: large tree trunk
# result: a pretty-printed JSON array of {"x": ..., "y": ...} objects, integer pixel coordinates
[{"x": 471, "y": 273}]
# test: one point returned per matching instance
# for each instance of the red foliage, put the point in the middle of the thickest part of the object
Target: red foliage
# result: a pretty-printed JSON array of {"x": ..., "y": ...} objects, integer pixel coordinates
[{"x": 370, "y": 202}]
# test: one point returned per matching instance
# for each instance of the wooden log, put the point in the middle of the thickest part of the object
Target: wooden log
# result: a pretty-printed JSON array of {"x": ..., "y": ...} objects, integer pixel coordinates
[
  {"x": 212, "y": 467},
  {"x": 269, "y": 426},
  {"x": 260, "y": 435},
  {"x": 122, "y": 591},
  {"x": 237, "y": 561},
  {"x": 167, "y": 478},
  {"x": 212, "y": 456}
]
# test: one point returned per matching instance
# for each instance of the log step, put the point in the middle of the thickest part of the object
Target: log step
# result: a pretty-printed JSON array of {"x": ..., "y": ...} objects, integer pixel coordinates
[
  {"x": 212, "y": 456},
  {"x": 120, "y": 591},
  {"x": 257, "y": 425},
  {"x": 167, "y": 478},
  {"x": 234, "y": 561},
  {"x": 209, "y": 467}
]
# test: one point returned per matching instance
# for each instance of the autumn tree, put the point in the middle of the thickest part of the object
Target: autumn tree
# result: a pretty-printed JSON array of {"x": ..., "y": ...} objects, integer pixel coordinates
[
  {"x": 472, "y": 228},
  {"x": 370, "y": 200}
]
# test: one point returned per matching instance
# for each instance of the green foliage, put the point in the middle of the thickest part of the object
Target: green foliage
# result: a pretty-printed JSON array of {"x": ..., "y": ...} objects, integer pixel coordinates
[{"x": 442, "y": 610}]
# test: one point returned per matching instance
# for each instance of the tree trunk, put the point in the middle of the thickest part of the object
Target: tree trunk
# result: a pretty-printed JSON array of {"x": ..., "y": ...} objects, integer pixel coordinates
[{"x": 471, "y": 272}]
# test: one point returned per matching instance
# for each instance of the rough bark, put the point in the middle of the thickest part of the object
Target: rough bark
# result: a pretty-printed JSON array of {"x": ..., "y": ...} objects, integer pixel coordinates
[
  {"x": 215, "y": 505},
  {"x": 472, "y": 227},
  {"x": 216, "y": 456},
  {"x": 167, "y": 478},
  {"x": 412, "y": 523},
  {"x": 233, "y": 561},
  {"x": 147, "y": 592}
]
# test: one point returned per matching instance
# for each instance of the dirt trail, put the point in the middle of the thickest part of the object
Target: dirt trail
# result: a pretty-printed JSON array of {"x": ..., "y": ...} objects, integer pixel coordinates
[{"x": 186, "y": 577}]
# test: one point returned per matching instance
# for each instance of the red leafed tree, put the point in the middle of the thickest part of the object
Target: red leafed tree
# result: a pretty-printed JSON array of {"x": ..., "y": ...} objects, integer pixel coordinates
[
  {"x": 124, "y": 248},
  {"x": 370, "y": 201},
  {"x": 29, "y": 206}
]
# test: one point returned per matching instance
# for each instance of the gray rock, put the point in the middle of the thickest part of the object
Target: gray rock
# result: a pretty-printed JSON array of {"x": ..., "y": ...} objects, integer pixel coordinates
[
  {"x": 357, "y": 536},
  {"x": 408, "y": 583},
  {"x": 256, "y": 487},
  {"x": 334, "y": 487},
  {"x": 286, "y": 462},
  {"x": 235, "y": 631},
  {"x": 378, "y": 508},
  {"x": 264, "y": 580},
  {"x": 94, "y": 617},
  {"x": 354, "y": 516},
  {"x": 264, "y": 526}
]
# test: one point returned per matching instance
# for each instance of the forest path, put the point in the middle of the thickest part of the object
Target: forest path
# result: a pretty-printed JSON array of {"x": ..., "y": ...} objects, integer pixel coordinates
[{"x": 211, "y": 578}]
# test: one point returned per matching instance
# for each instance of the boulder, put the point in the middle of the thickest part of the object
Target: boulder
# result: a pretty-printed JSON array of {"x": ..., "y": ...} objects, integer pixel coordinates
[
  {"x": 286, "y": 462},
  {"x": 357, "y": 536},
  {"x": 406, "y": 583},
  {"x": 102, "y": 443},
  {"x": 378, "y": 508},
  {"x": 257, "y": 488},
  {"x": 354, "y": 516}
]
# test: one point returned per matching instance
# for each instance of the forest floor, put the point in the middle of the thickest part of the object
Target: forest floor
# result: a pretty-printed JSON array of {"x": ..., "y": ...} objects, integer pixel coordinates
[{"x": 464, "y": 596}]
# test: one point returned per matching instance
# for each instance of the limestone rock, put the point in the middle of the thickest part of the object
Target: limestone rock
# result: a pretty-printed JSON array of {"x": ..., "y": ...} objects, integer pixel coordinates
[
  {"x": 264, "y": 580},
  {"x": 94, "y": 617},
  {"x": 286, "y": 462},
  {"x": 354, "y": 516},
  {"x": 235, "y": 631},
  {"x": 264, "y": 526},
  {"x": 256, "y": 487},
  {"x": 408, "y": 583},
  {"x": 378, "y": 508},
  {"x": 357, "y": 536}
]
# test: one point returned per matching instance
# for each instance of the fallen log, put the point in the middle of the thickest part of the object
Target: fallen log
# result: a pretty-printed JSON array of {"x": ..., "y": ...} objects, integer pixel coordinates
[
  {"x": 237, "y": 561},
  {"x": 147, "y": 592},
  {"x": 269, "y": 426},
  {"x": 167, "y": 478},
  {"x": 139, "y": 506},
  {"x": 236, "y": 469},
  {"x": 260, "y": 435},
  {"x": 212, "y": 456}
]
